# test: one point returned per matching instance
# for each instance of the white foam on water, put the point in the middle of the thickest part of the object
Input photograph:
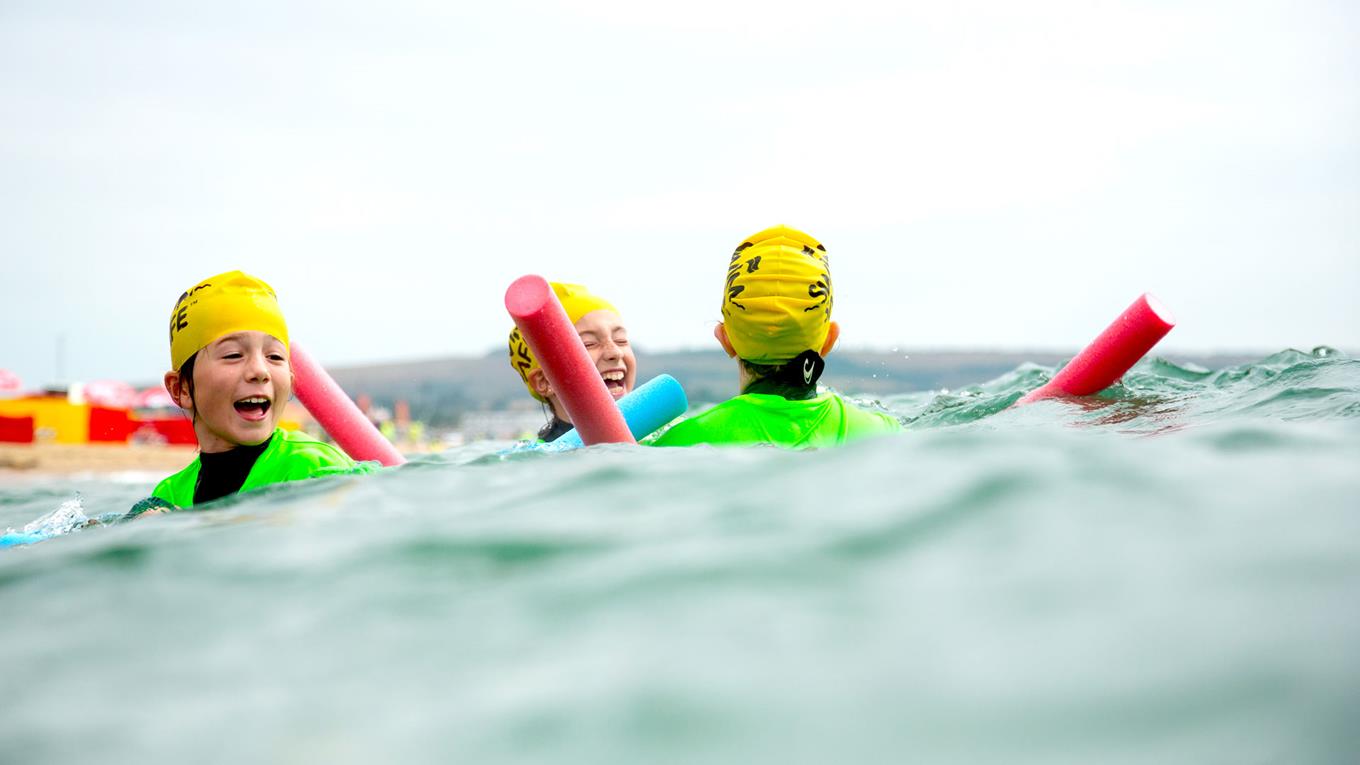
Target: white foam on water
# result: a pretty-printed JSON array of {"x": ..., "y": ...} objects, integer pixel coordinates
[{"x": 71, "y": 515}]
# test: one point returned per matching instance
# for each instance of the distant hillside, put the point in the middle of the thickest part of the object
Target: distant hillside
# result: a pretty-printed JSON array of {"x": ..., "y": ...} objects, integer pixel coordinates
[{"x": 439, "y": 391}]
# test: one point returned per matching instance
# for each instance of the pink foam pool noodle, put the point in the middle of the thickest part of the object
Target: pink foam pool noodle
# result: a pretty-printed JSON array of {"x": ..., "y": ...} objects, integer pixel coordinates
[
  {"x": 1111, "y": 354},
  {"x": 334, "y": 410},
  {"x": 564, "y": 359}
]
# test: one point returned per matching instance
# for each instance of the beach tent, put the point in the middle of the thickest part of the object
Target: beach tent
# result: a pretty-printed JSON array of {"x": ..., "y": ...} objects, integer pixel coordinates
[
  {"x": 153, "y": 398},
  {"x": 16, "y": 430},
  {"x": 158, "y": 419},
  {"x": 114, "y": 394},
  {"x": 10, "y": 384},
  {"x": 55, "y": 418}
]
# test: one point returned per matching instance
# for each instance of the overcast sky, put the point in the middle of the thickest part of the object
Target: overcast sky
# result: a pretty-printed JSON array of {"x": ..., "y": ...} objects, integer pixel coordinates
[{"x": 984, "y": 174}]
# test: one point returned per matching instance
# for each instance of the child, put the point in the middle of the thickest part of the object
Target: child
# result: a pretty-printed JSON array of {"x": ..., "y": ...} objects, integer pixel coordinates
[
  {"x": 229, "y": 367},
  {"x": 606, "y": 338},
  {"x": 777, "y": 323}
]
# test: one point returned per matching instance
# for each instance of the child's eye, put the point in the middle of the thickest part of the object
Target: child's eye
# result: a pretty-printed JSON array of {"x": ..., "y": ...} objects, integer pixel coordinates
[
  {"x": 277, "y": 357},
  {"x": 232, "y": 355}
]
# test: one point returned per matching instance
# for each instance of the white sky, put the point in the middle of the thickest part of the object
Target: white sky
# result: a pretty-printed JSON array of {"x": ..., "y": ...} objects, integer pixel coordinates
[{"x": 984, "y": 174}]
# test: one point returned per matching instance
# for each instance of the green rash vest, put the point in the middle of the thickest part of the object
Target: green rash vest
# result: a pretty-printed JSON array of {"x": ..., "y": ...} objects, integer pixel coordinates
[
  {"x": 762, "y": 418},
  {"x": 290, "y": 456}
]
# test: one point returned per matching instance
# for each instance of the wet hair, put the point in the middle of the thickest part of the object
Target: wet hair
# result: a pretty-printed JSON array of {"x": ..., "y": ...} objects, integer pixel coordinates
[
  {"x": 795, "y": 379},
  {"x": 186, "y": 378},
  {"x": 554, "y": 427}
]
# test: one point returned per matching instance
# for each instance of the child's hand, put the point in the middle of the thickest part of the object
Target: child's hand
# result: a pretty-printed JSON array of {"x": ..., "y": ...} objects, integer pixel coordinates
[{"x": 149, "y": 506}]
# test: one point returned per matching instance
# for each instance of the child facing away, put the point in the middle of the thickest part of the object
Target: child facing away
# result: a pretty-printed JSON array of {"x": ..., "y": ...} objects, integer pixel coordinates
[
  {"x": 229, "y": 369},
  {"x": 776, "y": 311},
  {"x": 602, "y": 330}
]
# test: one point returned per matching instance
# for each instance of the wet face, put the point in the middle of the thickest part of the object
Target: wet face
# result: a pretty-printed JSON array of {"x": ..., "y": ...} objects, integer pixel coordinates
[
  {"x": 606, "y": 340},
  {"x": 241, "y": 383}
]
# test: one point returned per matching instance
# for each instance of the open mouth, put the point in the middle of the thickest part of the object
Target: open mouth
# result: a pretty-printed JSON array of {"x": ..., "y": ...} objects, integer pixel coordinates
[
  {"x": 613, "y": 380},
  {"x": 253, "y": 408}
]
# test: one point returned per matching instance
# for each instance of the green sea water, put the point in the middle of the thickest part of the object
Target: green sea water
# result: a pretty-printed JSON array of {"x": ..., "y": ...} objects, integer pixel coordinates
[{"x": 1169, "y": 572}]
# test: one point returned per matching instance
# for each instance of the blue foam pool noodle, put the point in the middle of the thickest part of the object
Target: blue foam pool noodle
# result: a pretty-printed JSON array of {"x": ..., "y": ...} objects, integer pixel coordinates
[
  {"x": 20, "y": 538},
  {"x": 657, "y": 402}
]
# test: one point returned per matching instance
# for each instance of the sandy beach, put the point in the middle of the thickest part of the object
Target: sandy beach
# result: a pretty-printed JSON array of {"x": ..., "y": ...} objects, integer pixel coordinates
[{"x": 23, "y": 460}]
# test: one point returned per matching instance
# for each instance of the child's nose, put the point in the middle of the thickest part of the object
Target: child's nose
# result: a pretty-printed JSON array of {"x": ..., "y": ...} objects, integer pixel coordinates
[{"x": 258, "y": 368}]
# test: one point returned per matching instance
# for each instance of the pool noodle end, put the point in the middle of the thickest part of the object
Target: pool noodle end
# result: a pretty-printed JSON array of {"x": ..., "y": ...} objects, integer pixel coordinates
[{"x": 1111, "y": 354}]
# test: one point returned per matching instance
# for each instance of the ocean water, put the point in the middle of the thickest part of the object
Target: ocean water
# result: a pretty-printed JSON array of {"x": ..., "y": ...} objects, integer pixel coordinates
[{"x": 1169, "y": 572}]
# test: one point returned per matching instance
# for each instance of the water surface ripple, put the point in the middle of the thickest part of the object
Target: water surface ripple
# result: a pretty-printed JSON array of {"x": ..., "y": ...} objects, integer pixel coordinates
[{"x": 1165, "y": 573}]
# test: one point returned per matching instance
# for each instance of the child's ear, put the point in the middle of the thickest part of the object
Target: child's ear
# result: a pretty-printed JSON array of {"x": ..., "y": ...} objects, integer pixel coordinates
[
  {"x": 833, "y": 332},
  {"x": 540, "y": 383},
  {"x": 178, "y": 391},
  {"x": 720, "y": 332}
]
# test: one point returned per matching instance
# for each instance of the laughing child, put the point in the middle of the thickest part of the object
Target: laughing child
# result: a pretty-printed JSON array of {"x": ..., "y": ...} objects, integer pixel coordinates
[
  {"x": 229, "y": 369},
  {"x": 602, "y": 331}
]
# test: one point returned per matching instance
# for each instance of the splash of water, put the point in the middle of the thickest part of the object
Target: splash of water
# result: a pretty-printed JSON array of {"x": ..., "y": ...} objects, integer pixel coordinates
[{"x": 69, "y": 516}]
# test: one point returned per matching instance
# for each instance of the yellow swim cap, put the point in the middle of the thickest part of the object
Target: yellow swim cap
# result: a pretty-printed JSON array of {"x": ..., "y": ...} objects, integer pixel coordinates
[
  {"x": 221, "y": 305},
  {"x": 578, "y": 301},
  {"x": 777, "y": 300}
]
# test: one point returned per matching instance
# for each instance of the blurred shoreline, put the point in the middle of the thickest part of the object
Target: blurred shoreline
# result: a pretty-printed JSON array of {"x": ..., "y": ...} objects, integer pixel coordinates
[
  {"x": 449, "y": 392},
  {"x": 19, "y": 461},
  {"x": 471, "y": 398}
]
